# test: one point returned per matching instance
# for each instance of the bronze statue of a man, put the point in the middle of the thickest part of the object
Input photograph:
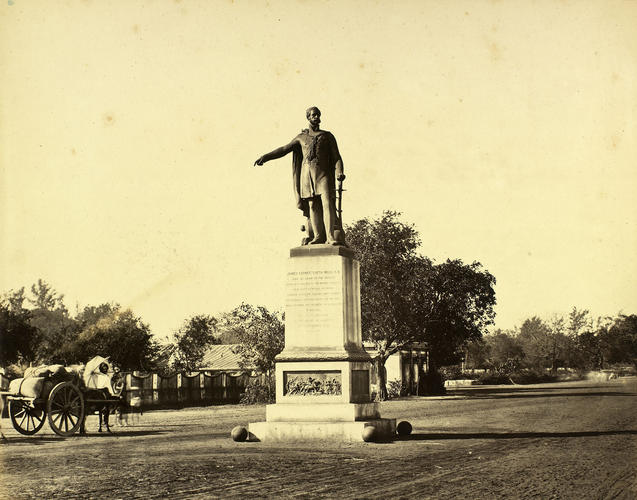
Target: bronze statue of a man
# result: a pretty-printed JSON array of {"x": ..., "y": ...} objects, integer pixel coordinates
[{"x": 316, "y": 165}]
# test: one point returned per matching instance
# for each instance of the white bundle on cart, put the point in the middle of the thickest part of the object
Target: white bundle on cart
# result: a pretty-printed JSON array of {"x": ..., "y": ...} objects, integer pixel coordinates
[
  {"x": 97, "y": 374},
  {"x": 30, "y": 387}
]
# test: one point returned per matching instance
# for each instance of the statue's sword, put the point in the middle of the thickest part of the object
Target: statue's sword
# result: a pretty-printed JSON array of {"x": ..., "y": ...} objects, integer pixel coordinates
[
  {"x": 339, "y": 234},
  {"x": 339, "y": 209}
]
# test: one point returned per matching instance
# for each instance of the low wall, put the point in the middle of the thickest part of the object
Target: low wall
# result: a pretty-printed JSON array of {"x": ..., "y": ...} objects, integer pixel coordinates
[
  {"x": 459, "y": 383},
  {"x": 601, "y": 376}
]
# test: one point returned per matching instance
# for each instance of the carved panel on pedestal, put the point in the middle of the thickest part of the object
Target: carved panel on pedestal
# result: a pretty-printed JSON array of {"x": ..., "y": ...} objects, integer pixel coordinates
[{"x": 312, "y": 383}]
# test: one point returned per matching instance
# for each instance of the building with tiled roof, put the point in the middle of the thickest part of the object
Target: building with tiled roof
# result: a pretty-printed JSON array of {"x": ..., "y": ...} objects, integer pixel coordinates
[{"x": 222, "y": 358}]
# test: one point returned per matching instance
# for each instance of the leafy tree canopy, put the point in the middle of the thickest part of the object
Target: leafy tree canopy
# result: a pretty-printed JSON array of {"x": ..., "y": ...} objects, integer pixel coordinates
[
  {"x": 17, "y": 336},
  {"x": 386, "y": 249},
  {"x": 45, "y": 297},
  {"x": 621, "y": 340},
  {"x": 118, "y": 334},
  {"x": 192, "y": 340},
  {"x": 405, "y": 297},
  {"x": 260, "y": 334},
  {"x": 462, "y": 300},
  {"x": 47, "y": 315}
]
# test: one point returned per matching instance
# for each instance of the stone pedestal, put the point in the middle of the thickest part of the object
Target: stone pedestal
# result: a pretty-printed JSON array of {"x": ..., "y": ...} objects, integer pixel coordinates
[{"x": 323, "y": 374}]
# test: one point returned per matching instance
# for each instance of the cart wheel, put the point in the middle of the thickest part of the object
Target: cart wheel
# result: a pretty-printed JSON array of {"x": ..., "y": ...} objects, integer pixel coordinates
[
  {"x": 25, "y": 418},
  {"x": 65, "y": 408}
]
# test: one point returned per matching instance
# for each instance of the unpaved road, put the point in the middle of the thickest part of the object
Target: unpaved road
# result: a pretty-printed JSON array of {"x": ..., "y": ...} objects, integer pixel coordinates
[{"x": 569, "y": 440}]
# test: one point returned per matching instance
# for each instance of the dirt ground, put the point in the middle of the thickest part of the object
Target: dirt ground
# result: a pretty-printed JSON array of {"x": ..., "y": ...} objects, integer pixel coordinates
[{"x": 569, "y": 440}]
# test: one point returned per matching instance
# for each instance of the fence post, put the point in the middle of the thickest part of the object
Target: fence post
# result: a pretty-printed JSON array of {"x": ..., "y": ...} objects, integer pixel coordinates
[
  {"x": 155, "y": 389},
  {"x": 179, "y": 391},
  {"x": 411, "y": 370},
  {"x": 129, "y": 387}
]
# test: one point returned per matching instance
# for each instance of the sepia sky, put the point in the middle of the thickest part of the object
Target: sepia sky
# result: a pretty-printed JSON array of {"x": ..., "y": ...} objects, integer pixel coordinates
[{"x": 505, "y": 131}]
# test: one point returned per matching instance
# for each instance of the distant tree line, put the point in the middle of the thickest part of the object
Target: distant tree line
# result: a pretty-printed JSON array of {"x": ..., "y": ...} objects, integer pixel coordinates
[{"x": 576, "y": 341}]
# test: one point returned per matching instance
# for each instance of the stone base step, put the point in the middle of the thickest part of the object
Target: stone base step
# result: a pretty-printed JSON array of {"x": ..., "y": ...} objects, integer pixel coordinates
[
  {"x": 317, "y": 412},
  {"x": 321, "y": 431}
]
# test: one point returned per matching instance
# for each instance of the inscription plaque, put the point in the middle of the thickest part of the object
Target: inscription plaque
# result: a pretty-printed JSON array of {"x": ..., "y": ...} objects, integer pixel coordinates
[{"x": 314, "y": 306}]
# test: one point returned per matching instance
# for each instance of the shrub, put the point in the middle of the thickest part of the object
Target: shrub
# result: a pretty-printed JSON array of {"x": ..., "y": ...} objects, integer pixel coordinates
[
  {"x": 517, "y": 377},
  {"x": 533, "y": 377},
  {"x": 395, "y": 389},
  {"x": 455, "y": 372},
  {"x": 432, "y": 383},
  {"x": 494, "y": 378},
  {"x": 259, "y": 391}
]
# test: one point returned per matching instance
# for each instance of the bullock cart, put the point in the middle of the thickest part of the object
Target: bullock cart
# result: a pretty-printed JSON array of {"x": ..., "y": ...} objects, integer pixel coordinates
[{"x": 63, "y": 396}]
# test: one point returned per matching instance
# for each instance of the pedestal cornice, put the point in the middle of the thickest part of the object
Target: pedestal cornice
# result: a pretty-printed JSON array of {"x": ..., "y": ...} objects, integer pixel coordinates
[
  {"x": 323, "y": 355},
  {"x": 321, "y": 250}
]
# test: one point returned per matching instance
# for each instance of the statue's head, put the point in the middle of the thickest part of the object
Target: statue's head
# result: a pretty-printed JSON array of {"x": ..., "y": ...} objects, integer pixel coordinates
[{"x": 313, "y": 115}]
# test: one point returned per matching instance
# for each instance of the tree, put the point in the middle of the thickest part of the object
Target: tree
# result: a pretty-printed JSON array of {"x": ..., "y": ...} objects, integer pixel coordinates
[
  {"x": 579, "y": 321},
  {"x": 192, "y": 341},
  {"x": 386, "y": 249},
  {"x": 620, "y": 340},
  {"x": 582, "y": 350},
  {"x": 17, "y": 335},
  {"x": 14, "y": 300},
  {"x": 546, "y": 345},
  {"x": 55, "y": 328},
  {"x": 460, "y": 308},
  {"x": 477, "y": 354},
  {"x": 260, "y": 334},
  {"x": 406, "y": 298},
  {"x": 45, "y": 297},
  {"x": 559, "y": 342},
  {"x": 92, "y": 314},
  {"x": 506, "y": 352},
  {"x": 116, "y": 334},
  {"x": 589, "y": 351},
  {"x": 535, "y": 338}
]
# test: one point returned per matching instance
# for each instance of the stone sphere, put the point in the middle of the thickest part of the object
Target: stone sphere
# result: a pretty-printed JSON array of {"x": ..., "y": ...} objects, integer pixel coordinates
[
  {"x": 369, "y": 434},
  {"x": 239, "y": 433},
  {"x": 403, "y": 428}
]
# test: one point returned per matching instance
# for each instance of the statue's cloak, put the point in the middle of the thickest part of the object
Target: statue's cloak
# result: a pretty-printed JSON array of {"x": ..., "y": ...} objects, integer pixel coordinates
[{"x": 297, "y": 161}]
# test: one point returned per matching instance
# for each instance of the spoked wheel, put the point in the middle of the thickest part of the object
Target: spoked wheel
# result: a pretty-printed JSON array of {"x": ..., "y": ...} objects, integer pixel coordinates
[
  {"x": 26, "y": 418},
  {"x": 65, "y": 408}
]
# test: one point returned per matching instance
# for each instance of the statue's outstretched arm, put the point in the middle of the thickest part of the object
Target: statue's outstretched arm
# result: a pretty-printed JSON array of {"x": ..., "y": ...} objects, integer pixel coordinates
[{"x": 277, "y": 153}]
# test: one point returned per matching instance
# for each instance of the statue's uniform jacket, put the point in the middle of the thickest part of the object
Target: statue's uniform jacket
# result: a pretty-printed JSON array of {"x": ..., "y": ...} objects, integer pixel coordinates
[{"x": 314, "y": 175}]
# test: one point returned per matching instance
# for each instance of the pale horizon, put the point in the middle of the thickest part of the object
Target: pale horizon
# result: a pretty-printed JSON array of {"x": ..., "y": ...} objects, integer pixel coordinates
[{"x": 504, "y": 131}]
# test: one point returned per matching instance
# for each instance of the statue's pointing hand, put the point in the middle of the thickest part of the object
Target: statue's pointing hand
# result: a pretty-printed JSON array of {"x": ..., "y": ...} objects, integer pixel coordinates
[{"x": 259, "y": 161}]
